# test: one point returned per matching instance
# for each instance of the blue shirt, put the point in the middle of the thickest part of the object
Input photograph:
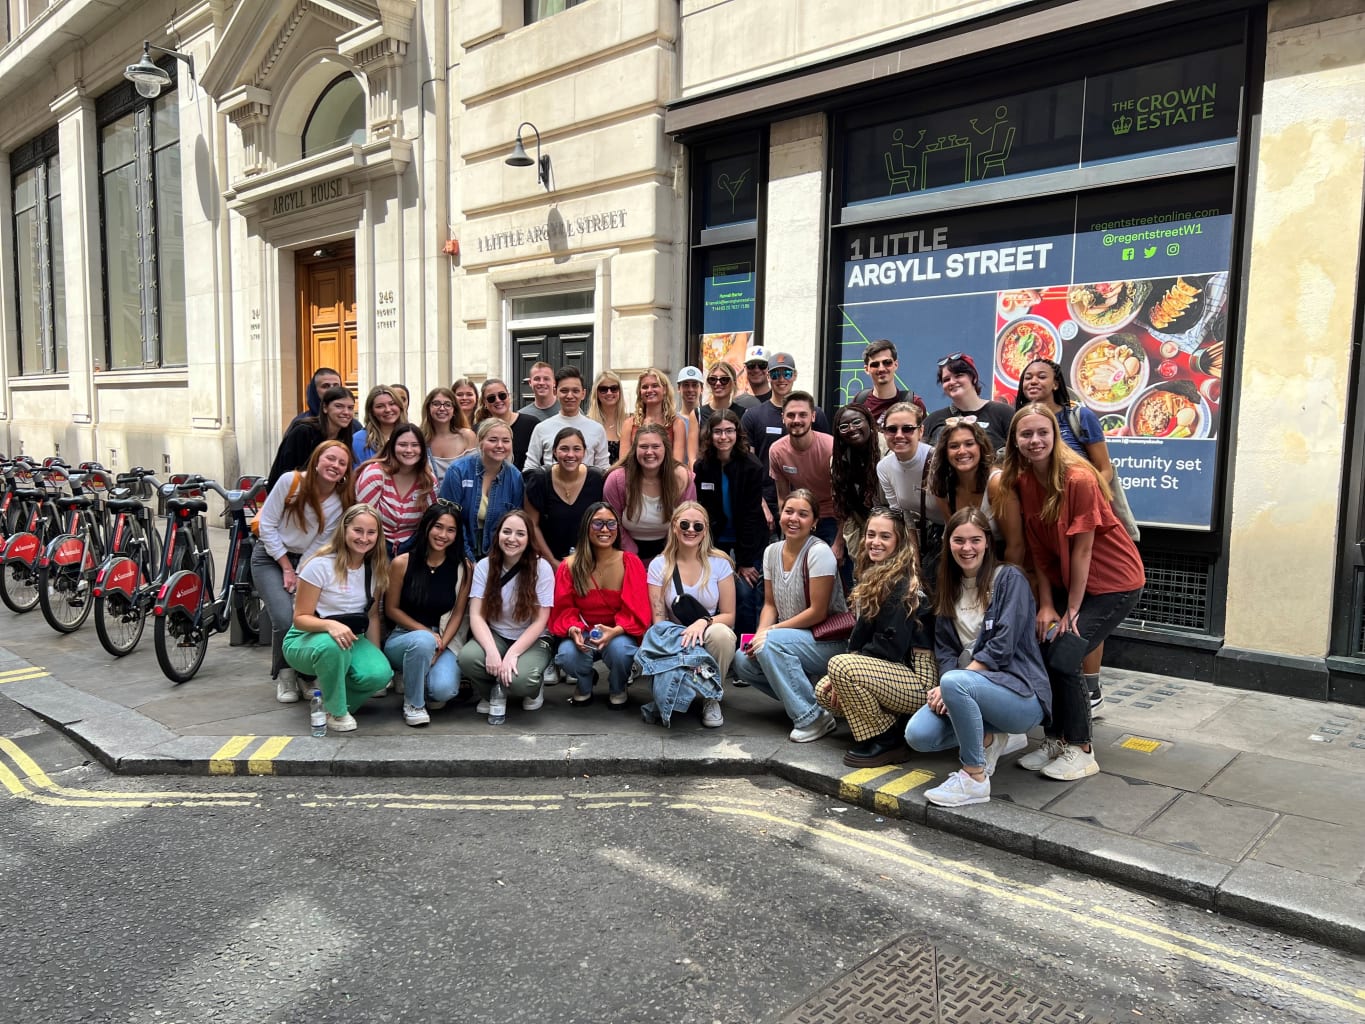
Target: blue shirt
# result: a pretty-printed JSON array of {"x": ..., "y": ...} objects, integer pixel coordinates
[
  {"x": 727, "y": 535},
  {"x": 463, "y": 484},
  {"x": 1091, "y": 431}
]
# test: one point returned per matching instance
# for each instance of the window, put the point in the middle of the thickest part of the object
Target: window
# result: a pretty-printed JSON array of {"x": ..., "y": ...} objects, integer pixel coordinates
[
  {"x": 142, "y": 240},
  {"x": 536, "y": 10},
  {"x": 338, "y": 116},
  {"x": 40, "y": 293}
]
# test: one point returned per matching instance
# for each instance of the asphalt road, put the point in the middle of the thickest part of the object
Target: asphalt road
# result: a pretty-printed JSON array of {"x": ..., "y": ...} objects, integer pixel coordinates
[{"x": 613, "y": 900}]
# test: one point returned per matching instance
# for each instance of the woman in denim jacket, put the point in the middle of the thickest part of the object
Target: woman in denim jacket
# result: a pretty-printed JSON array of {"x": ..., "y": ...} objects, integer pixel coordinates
[
  {"x": 485, "y": 484},
  {"x": 993, "y": 686}
]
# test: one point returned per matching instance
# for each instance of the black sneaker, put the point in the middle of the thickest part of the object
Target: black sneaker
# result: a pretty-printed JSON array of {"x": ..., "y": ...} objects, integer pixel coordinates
[{"x": 1096, "y": 698}]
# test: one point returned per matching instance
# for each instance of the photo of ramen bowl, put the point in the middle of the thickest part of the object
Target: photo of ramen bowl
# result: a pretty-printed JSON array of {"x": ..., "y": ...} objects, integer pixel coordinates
[
  {"x": 1020, "y": 342},
  {"x": 1106, "y": 306},
  {"x": 1108, "y": 371},
  {"x": 1174, "y": 411}
]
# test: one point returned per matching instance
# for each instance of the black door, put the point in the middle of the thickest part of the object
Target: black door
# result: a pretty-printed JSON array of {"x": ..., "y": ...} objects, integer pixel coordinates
[{"x": 570, "y": 347}]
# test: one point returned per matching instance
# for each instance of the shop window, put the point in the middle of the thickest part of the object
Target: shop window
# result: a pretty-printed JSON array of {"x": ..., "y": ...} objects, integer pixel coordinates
[
  {"x": 338, "y": 117},
  {"x": 40, "y": 293},
  {"x": 142, "y": 240},
  {"x": 538, "y": 10}
]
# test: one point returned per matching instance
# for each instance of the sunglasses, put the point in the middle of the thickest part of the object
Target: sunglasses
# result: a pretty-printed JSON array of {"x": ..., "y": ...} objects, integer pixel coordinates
[
  {"x": 952, "y": 357},
  {"x": 603, "y": 525},
  {"x": 498, "y": 396},
  {"x": 899, "y": 428},
  {"x": 608, "y": 389},
  {"x": 689, "y": 526},
  {"x": 888, "y": 511},
  {"x": 755, "y": 366},
  {"x": 446, "y": 505},
  {"x": 880, "y": 364},
  {"x": 716, "y": 382},
  {"x": 781, "y": 374},
  {"x": 959, "y": 421}
]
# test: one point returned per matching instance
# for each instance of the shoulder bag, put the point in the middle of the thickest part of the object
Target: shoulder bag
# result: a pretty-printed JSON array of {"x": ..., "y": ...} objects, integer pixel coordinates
[
  {"x": 358, "y": 622},
  {"x": 685, "y": 608},
  {"x": 837, "y": 625}
]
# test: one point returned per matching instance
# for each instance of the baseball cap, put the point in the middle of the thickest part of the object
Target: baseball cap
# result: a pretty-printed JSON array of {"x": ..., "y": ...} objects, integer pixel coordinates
[
  {"x": 756, "y": 354},
  {"x": 690, "y": 373},
  {"x": 781, "y": 361}
]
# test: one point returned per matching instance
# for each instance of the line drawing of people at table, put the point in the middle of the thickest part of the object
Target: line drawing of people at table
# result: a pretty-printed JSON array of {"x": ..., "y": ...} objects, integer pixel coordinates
[
  {"x": 1000, "y": 138},
  {"x": 900, "y": 165}
]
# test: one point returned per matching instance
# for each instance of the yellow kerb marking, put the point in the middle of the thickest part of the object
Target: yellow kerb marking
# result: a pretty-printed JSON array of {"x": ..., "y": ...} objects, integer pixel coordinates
[
  {"x": 21, "y": 671},
  {"x": 260, "y": 763},
  {"x": 24, "y": 675},
  {"x": 884, "y": 799},
  {"x": 221, "y": 762},
  {"x": 1140, "y": 744},
  {"x": 852, "y": 783},
  {"x": 40, "y": 779}
]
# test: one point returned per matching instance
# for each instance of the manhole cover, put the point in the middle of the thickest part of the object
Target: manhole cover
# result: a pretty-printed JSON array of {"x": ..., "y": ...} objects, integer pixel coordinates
[{"x": 912, "y": 981}]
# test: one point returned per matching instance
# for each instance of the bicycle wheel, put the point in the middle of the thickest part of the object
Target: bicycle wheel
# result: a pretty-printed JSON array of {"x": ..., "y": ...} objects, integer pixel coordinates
[
  {"x": 19, "y": 587},
  {"x": 180, "y": 645},
  {"x": 248, "y": 612},
  {"x": 64, "y": 592},
  {"x": 119, "y": 616}
]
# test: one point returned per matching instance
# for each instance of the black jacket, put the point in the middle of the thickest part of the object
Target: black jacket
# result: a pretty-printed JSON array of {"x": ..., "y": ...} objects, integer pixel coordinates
[
  {"x": 298, "y": 444},
  {"x": 892, "y": 634},
  {"x": 746, "y": 501}
]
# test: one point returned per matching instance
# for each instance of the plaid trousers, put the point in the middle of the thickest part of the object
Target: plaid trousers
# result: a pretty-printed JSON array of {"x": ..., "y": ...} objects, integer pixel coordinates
[{"x": 871, "y": 692}]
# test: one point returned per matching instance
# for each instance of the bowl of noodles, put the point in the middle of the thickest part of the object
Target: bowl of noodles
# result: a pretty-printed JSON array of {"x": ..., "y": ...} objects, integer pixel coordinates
[
  {"x": 1109, "y": 371},
  {"x": 1020, "y": 342},
  {"x": 1106, "y": 306},
  {"x": 1173, "y": 410}
]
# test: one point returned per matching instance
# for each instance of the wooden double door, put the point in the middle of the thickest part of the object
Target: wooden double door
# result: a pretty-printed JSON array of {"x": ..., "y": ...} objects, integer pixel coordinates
[{"x": 327, "y": 318}]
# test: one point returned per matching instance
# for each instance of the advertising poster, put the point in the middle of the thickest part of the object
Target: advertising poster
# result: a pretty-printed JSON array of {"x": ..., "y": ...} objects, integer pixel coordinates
[
  {"x": 1126, "y": 291},
  {"x": 728, "y": 302}
]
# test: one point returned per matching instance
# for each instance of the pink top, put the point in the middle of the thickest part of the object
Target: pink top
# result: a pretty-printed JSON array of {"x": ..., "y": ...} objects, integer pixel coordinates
[
  {"x": 399, "y": 513},
  {"x": 614, "y": 494}
]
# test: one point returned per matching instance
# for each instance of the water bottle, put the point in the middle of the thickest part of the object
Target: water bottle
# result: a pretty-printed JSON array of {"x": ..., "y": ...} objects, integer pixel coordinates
[
  {"x": 595, "y": 636},
  {"x": 317, "y": 714}
]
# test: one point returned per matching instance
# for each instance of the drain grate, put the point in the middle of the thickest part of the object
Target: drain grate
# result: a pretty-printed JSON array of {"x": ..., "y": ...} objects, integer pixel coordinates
[{"x": 912, "y": 981}]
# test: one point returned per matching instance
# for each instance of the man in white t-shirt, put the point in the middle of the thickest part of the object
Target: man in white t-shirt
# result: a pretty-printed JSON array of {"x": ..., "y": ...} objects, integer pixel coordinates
[{"x": 569, "y": 388}]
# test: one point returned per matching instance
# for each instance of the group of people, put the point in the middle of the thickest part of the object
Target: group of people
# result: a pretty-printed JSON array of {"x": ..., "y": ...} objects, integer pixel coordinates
[{"x": 936, "y": 580}]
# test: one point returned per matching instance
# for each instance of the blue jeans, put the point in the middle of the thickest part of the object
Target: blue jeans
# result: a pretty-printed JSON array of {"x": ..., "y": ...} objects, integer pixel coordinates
[
  {"x": 784, "y": 667},
  {"x": 976, "y": 706},
  {"x": 748, "y": 603},
  {"x": 619, "y": 654},
  {"x": 412, "y": 650}
]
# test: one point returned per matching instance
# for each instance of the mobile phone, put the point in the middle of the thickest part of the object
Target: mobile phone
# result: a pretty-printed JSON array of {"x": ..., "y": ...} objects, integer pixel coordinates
[
  {"x": 745, "y": 639},
  {"x": 1052, "y": 631}
]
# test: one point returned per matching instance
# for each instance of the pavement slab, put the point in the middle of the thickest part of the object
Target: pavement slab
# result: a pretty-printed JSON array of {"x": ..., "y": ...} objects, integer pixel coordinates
[
  {"x": 1291, "y": 787},
  {"x": 1113, "y": 802},
  {"x": 1201, "y": 824},
  {"x": 1316, "y": 848}
]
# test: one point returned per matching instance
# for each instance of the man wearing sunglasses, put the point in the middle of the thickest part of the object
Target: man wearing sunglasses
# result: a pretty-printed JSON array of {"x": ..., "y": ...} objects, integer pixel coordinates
[
  {"x": 763, "y": 423},
  {"x": 880, "y": 362},
  {"x": 722, "y": 379},
  {"x": 962, "y": 386},
  {"x": 756, "y": 371}
]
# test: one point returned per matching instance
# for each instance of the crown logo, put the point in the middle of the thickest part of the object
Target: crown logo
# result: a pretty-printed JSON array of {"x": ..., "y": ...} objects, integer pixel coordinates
[{"x": 1122, "y": 126}]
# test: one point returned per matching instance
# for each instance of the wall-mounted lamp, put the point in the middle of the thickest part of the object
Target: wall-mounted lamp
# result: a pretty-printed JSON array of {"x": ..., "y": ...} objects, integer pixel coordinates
[
  {"x": 520, "y": 159},
  {"x": 149, "y": 79}
]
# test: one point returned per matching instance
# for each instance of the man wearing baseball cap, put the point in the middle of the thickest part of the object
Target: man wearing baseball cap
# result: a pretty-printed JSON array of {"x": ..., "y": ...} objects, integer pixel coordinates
[
  {"x": 689, "y": 382},
  {"x": 756, "y": 371},
  {"x": 962, "y": 385},
  {"x": 763, "y": 424}
]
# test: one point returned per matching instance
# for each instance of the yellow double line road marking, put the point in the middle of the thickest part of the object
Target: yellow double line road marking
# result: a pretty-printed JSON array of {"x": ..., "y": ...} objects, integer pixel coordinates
[
  {"x": 33, "y": 784},
  {"x": 852, "y": 785},
  {"x": 18, "y": 675},
  {"x": 224, "y": 760}
]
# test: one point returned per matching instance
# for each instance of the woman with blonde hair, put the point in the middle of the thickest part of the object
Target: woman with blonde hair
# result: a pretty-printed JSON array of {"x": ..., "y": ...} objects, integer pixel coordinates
[
  {"x": 654, "y": 404},
  {"x": 448, "y": 436},
  {"x": 694, "y": 579},
  {"x": 384, "y": 410},
  {"x": 893, "y": 668},
  {"x": 1083, "y": 561},
  {"x": 335, "y": 634},
  {"x": 608, "y": 409}
]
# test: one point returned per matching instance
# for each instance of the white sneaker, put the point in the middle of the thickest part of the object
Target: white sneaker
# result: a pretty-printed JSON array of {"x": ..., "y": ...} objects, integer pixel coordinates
[
  {"x": 1071, "y": 764},
  {"x": 286, "y": 690},
  {"x": 1039, "y": 759},
  {"x": 1001, "y": 746},
  {"x": 958, "y": 790},
  {"x": 710, "y": 714},
  {"x": 415, "y": 716},
  {"x": 822, "y": 726},
  {"x": 344, "y": 723},
  {"x": 306, "y": 686},
  {"x": 534, "y": 703},
  {"x": 482, "y": 707},
  {"x": 550, "y": 677}
]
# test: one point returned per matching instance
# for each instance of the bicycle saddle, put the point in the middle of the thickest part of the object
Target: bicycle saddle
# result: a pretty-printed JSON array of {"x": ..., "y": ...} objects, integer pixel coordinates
[
  {"x": 75, "y": 501},
  {"x": 187, "y": 506}
]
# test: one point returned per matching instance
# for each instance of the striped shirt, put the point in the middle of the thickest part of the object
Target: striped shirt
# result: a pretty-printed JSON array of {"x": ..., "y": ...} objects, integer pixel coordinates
[{"x": 399, "y": 513}]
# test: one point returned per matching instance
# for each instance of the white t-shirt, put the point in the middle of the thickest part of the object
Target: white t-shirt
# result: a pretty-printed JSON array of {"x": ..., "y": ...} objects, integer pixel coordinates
[
  {"x": 708, "y": 594},
  {"x": 344, "y": 596},
  {"x": 789, "y": 588},
  {"x": 504, "y": 625}
]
